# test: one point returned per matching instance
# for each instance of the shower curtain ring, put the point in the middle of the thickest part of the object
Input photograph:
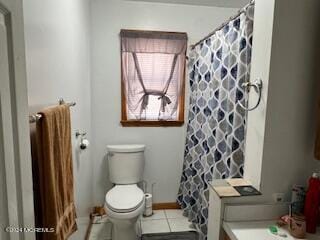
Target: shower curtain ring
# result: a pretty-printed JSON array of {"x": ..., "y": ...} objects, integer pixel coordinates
[{"x": 257, "y": 85}]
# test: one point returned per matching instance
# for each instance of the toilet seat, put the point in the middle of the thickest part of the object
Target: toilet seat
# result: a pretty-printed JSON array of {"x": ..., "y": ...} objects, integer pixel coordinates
[{"x": 124, "y": 198}]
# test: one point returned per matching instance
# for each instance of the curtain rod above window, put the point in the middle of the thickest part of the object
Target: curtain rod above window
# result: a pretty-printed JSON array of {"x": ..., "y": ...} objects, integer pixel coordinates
[{"x": 153, "y": 34}]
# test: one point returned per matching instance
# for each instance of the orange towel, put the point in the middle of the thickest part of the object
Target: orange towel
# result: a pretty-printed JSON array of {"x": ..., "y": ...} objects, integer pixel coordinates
[
  {"x": 317, "y": 143},
  {"x": 54, "y": 173}
]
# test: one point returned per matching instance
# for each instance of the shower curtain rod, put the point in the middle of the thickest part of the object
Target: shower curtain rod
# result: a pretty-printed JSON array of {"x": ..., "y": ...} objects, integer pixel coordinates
[{"x": 242, "y": 10}]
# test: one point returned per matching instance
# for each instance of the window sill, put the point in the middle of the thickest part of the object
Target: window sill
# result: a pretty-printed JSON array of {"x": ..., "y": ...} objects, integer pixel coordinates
[{"x": 134, "y": 123}]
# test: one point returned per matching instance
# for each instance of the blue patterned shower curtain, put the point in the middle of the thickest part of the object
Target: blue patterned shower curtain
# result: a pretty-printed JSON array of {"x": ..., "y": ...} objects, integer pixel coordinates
[{"x": 216, "y": 125}]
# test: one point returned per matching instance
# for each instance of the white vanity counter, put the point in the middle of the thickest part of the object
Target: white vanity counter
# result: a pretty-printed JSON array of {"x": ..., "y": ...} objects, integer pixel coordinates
[
  {"x": 244, "y": 218},
  {"x": 258, "y": 230}
]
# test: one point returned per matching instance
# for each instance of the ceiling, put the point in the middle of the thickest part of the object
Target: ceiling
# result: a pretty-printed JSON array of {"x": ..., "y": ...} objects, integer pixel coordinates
[{"x": 212, "y": 3}]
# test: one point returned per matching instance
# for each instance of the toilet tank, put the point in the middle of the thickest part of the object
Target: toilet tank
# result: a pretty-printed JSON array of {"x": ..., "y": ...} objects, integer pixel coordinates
[{"x": 126, "y": 163}]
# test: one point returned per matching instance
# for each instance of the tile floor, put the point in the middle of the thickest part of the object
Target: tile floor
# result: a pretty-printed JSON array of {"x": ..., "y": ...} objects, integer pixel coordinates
[
  {"x": 166, "y": 221},
  {"x": 162, "y": 221},
  {"x": 101, "y": 229},
  {"x": 82, "y": 229}
]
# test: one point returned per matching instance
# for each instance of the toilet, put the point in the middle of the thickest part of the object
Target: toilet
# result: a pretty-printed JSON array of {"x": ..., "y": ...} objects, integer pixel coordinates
[{"x": 125, "y": 202}]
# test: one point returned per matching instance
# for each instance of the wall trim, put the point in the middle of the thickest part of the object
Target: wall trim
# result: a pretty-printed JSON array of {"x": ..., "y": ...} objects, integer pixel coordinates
[{"x": 168, "y": 205}]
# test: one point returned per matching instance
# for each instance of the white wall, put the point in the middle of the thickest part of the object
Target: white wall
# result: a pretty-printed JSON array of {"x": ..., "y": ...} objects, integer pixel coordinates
[
  {"x": 261, "y": 57},
  {"x": 165, "y": 146},
  {"x": 58, "y": 65},
  {"x": 289, "y": 139},
  {"x": 289, "y": 102},
  {"x": 58, "y": 58},
  {"x": 215, "y": 3}
]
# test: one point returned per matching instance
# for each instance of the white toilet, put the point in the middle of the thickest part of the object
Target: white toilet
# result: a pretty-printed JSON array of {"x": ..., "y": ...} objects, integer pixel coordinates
[{"x": 125, "y": 202}]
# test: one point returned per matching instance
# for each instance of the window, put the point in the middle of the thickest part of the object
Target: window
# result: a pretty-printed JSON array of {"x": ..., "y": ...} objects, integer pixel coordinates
[{"x": 153, "y": 78}]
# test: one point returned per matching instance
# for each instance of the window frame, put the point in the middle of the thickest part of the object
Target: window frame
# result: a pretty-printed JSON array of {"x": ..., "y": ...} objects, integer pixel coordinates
[{"x": 125, "y": 122}]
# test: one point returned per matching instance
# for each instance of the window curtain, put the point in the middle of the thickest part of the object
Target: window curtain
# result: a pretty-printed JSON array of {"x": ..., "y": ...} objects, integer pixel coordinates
[
  {"x": 152, "y": 69},
  {"x": 216, "y": 126}
]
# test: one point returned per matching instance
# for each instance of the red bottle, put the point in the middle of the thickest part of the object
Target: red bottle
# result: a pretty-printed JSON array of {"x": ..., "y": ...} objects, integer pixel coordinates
[{"x": 311, "y": 209}]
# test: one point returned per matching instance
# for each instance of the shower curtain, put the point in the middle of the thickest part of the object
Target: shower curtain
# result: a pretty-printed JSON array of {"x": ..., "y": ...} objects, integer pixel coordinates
[{"x": 216, "y": 125}]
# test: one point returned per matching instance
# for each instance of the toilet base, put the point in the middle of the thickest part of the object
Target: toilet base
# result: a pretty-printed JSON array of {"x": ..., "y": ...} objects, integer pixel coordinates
[{"x": 124, "y": 229}]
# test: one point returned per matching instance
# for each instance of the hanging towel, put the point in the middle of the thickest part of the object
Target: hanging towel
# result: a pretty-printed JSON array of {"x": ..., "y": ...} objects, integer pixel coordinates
[
  {"x": 53, "y": 172},
  {"x": 317, "y": 143}
]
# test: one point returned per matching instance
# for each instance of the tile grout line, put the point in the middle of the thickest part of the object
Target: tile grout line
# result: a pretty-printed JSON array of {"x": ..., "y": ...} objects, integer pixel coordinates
[{"x": 165, "y": 213}]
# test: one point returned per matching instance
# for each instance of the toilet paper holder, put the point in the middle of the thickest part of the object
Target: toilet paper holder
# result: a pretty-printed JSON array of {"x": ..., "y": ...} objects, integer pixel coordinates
[
  {"x": 79, "y": 134},
  {"x": 84, "y": 143}
]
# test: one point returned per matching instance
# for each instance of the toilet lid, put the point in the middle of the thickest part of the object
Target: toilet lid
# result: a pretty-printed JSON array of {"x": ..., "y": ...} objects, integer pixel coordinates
[{"x": 124, "y": 198}]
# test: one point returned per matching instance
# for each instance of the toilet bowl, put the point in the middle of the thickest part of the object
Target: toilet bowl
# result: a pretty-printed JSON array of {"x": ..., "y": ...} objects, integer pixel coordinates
[{"x": 125, "y": 202}]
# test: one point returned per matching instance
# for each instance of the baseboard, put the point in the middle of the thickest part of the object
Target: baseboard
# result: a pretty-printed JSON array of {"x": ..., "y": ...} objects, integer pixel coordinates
[{"x": 169, "y": 205}]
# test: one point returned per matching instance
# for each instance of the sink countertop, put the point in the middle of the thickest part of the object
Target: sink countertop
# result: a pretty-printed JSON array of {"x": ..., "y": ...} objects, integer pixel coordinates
[{"x": 259, "y": 230}]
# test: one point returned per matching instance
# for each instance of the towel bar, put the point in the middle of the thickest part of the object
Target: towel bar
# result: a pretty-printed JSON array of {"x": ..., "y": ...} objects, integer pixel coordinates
[{"x": 35, "y": 117}]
